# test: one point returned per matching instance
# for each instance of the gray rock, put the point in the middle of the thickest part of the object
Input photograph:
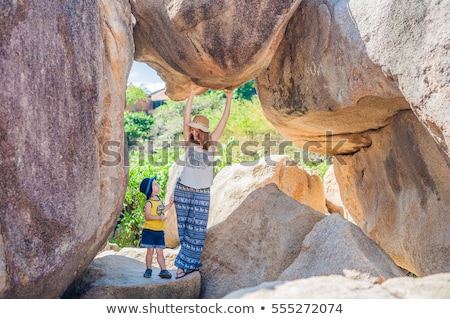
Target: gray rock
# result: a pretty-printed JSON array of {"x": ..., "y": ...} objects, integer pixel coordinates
[
  {"x": 112, "y": 276},
  {"x": 64, "y": 67},
  {"x": 256, "y": 243},
  {"x": 337, "y": 247},
  {"x": 340, "y": 287}
]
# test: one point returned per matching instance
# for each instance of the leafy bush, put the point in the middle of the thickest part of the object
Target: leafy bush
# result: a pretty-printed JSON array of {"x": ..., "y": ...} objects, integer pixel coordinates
[
  {"x": 135, "y": 94},
  {"x": 137, "y": 126},
  {"x": 246, "y": 91}
]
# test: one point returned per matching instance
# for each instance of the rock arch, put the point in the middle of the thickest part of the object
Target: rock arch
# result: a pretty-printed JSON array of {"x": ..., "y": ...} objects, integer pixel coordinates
[{"x": 373, "y": 74}]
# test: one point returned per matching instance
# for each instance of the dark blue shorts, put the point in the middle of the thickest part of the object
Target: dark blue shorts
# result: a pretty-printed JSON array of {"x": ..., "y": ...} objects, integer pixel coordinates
[{"x": 153, "y": 238}]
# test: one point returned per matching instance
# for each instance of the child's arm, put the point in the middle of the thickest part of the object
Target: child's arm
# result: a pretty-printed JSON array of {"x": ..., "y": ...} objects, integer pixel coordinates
[{"x": 167, "y": 207}]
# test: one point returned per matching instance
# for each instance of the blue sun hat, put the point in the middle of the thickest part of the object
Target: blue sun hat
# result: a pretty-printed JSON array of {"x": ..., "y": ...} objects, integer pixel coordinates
[{"x": 146, "y": 186}]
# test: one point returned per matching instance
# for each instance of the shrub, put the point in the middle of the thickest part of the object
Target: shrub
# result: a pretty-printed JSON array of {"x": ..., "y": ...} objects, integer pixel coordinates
[{"x": 137, "y": 126}]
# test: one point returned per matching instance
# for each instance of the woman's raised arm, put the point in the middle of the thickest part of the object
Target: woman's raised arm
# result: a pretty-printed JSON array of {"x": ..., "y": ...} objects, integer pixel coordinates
[
  {"x": 188, "y": 111},
  {"x": 217, "y": 133}
]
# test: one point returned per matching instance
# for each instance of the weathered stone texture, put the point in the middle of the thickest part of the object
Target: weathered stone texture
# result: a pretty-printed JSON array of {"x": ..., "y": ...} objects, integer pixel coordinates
[
  {"x": 253, "y": 244},
  {"x": 61, "y": 101},
  {"x": 217, "y": 44},
  {"x": 337, "y": 247},
  {"x": 234, "y": 183},
  {"x": 397, "y": 192},
  {"x": 287, "y": 174},
  {"x": 410, "y": 40},
  {"x": 321, "y": 88},
  {"x": 337, "y": 77},
  {"x": 341, "y": 287}
]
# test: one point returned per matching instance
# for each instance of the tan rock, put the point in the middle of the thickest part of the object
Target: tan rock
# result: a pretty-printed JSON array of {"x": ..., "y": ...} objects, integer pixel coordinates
[
  {"x": 335, "y": 77},
  {"x": 234, "y": 183},
  {"x": 410, "y": 41},
  {"x": 333, "y": 196},
  {"x": 340, "y": 287},
  {"x": 433, "y": 286},
  {"x": 346, "y": 250},
  {"x": 256, "y": 243},
  {"x": 217, "y": 44},
  {"x": 321, "y": 90},
  {"x": 396, "y": 191},
  {"x": 61, "y": 150},
  {"x": 115, "y": 276},
  {"x": 323, "y": 287},
  {"x": 330, "y": 93}
]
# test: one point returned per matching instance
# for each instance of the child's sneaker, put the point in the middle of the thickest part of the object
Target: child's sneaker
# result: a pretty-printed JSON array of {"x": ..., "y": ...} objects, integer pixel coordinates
[
  {"x": 148, "y": 273},
  {"x": 165, "y": 274}
]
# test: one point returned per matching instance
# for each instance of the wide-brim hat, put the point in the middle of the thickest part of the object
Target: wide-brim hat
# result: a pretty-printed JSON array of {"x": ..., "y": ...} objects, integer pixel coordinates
[
  {"x": 201, "y": 122},
  {"x": 146, "y": 186}
]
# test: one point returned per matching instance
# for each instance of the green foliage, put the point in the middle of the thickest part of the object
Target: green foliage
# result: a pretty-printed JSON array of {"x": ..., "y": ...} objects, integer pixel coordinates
[
  {"x": 247, "y": 122},
  {"x": 137, "y": 125},
  {"x": 319, "y": 165},
  {"x": 246, "y": 91},
  {"x": 135, "y": 94},
  {"x": 168, "y": 122}
]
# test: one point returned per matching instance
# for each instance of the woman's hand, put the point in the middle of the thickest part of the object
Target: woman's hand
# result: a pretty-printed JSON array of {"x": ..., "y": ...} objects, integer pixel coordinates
[
  {"x": 228, "y": 92},
  {"x": 195, "y": 88}
]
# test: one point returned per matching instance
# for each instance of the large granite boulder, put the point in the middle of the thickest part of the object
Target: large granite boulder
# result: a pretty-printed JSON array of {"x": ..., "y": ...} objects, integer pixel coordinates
[
  {"x": 337, "y": 247},
  {"x": 322, "y": 91},
  {"x": 217, "y": 44},
  {"x": 119, "y": 275},
  {"x": 341, "y": 73},
  {"x": 253, "y": 254},
  {"x": 346, "y": 72},
  {"x": 235, "y": 182},
  {"x": 397, "y": 192},
  {"x": 64, "y": 75},
  {"x": 410, "y": 41},
  {"x": 256, "y": 243}
]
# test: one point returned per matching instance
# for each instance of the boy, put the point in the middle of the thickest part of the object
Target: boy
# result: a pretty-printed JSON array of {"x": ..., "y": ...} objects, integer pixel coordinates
[{"x": 155, "y": 223}]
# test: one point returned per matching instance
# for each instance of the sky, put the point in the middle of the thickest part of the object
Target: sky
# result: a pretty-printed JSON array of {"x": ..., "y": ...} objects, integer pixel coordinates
[{"x": 141, "y": 75}]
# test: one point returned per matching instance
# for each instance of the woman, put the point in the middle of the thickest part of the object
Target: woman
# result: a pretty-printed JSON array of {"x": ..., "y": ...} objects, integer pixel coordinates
[{"x": 192, "y": 191}]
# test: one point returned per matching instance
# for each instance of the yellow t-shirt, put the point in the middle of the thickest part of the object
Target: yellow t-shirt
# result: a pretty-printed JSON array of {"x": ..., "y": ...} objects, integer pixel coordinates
[{"x": 157, "y": 210}]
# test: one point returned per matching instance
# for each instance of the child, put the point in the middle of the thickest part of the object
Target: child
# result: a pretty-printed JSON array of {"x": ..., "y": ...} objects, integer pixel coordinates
[{"x": 155, "y": 223}]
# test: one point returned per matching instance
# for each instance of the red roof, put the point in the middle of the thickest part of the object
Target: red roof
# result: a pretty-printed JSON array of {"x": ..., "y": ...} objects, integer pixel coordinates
[{"x": 159, "y": 95}]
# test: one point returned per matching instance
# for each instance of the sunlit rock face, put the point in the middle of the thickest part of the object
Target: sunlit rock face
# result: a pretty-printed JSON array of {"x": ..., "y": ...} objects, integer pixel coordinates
[
  {"x": 64, "y": 67},
  {"x": 217, "y": 44}
]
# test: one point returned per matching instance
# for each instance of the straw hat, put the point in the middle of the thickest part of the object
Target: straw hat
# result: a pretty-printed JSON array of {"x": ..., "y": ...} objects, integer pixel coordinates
[{"x": 201, "y": 122}]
